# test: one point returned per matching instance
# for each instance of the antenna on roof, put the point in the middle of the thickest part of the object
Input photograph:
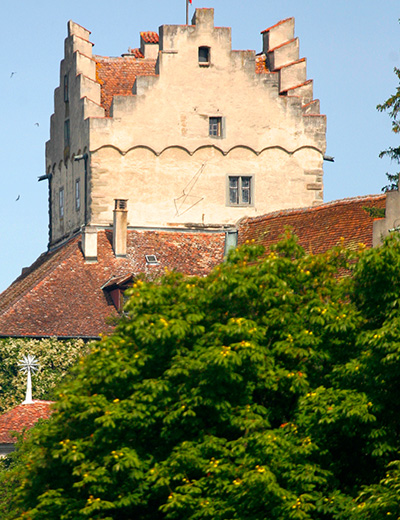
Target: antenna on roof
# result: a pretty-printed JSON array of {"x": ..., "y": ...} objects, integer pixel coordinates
[
  {"x": 28, "y": 364},
  {"x": 187, "y": 11}
]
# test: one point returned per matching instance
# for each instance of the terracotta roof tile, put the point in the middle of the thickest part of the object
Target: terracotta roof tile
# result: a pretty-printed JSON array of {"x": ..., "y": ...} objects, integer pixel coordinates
[
  {"x": 149, "y": 37},
  {"x": 261, "y": 64},
  {"x": 22, "y": 417},
  {"x": 318, "y": 228},
  {"x": 117, "y": 76},
  {"x": 136, "y": 53},
  {"x": 61, "y": 295}
]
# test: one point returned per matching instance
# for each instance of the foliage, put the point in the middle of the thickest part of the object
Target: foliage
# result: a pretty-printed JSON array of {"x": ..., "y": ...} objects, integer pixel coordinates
[
  {"x": 392, "y": 107},
  {"x": 55, "y": 357},
  {"x": 266, "y": 390},
  {"x": 374, "y": 212}
]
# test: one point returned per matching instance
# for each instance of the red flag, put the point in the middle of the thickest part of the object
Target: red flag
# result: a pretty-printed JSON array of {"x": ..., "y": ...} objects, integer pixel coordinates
[{"x": 190, "y": 1}]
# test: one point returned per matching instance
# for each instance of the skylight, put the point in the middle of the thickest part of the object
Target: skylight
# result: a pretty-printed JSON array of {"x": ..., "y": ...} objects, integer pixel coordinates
[{"x": 151, "y": 259}]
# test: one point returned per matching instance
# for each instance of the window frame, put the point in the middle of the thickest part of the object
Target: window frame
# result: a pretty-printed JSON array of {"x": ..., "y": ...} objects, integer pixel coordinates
[
  {"x": 220, "y": 122},
  {"x": 61, "y": 202},
  {"x": 240, "y": 188},
  {"x": 66, "y": 88},
  {"x": 199, "y": 57},
  {"x": 78, "y": 194}
]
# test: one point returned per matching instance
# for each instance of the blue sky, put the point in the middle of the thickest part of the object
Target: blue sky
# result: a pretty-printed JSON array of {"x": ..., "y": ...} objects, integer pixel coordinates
[{"x": 351, "y": 48}]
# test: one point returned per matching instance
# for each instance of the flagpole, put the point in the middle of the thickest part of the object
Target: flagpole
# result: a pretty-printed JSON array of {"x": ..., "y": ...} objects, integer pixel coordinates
[{"x": 187, "y": 12}]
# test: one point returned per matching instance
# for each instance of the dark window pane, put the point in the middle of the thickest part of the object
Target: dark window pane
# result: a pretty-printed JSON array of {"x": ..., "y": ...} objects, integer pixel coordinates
[
  {"x": 204, "y": 54},
  {"x": 233, "y": 182},
  {"x": 66, "y": 89},
  {"x": 233, "y": 196},
  {"x": 246, "y": 190},
  {"x": 233, "y": 190}
]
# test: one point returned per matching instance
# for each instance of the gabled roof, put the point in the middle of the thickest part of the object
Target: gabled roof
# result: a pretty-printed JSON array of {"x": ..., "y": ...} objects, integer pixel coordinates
[
  {"x": 22, "y": 417},
  {"x": 61, "y": 295},
  {"x": 318, "y": 228},
  {"x": 117, "y": 75}
]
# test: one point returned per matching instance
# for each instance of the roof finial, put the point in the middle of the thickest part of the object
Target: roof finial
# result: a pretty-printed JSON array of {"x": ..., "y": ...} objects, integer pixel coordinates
[{"x": 28, "y": 364}]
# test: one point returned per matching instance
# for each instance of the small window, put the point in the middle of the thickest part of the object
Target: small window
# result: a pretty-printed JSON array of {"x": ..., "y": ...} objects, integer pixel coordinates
[
  {"x": 215, "y": 127},
  {"x": 204, "y": 56},
  {"x": 151, "y": 259},
  {"x": 240, "y": 190},
  {"x": 66, "y": 89},
  {"x": 78, "y": 194},
  {"x": 67, "y": 135},
  {"x": 61, "y": 202}
]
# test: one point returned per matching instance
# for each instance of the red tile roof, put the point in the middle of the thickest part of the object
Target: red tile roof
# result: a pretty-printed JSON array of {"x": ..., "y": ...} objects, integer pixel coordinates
[
  {"x": 22, "y": 417},
  {"x": 149, "y": 37},
  {"x": 261, "y": 64},
  {"x": 61, "y": 295},
  {"x": 318, "y": 228},
  {"x": 136, "y": 53},
  {"x": 117, "y": 76}
]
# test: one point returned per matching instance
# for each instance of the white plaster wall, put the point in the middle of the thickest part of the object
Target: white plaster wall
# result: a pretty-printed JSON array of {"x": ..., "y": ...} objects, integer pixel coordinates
[{"x": 193, "y": 188}]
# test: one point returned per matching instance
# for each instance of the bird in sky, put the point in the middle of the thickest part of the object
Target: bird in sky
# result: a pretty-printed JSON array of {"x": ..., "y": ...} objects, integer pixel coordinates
[
  {"x": 12, "y": 74},
  {"x": 17, "y": 198},
  {"x": 36, "y": 124}
]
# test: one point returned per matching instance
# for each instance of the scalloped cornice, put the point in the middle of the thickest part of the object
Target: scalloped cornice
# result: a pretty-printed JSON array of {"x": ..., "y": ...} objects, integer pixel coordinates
[{"x": 223, "y": 152}]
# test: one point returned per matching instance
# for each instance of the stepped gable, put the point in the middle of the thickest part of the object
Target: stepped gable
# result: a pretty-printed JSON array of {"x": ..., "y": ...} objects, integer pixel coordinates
[
  {"x": 318, "y": 228},
  {"x": 117, "y": 75},
  {"x": 281, "y": 49},
  {"x": 61, "y": 295},
  {"x": 21, "y": 418}
]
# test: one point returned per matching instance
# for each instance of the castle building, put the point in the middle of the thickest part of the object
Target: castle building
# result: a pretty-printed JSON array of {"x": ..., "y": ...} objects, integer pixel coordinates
[
  {"x": 168, "y": 156},
  {"x": 182, "y": 131}
]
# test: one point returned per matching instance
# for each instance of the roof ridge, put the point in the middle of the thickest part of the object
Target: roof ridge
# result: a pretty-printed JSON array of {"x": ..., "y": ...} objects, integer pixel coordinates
[{"x": 320, "y": 207}]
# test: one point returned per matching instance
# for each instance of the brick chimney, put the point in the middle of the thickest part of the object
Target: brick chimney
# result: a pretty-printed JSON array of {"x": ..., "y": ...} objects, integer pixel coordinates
[{"x": 120, "y": 227}]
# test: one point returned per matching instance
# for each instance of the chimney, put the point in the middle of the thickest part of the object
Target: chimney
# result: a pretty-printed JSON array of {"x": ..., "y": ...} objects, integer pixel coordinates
[
  {"x": 89, "y": 244},
  {"x": 120, "y": 227}
]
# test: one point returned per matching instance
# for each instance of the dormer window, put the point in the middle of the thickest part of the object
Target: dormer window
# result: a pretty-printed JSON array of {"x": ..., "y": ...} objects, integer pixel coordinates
[{"x": 204, "y": 56}]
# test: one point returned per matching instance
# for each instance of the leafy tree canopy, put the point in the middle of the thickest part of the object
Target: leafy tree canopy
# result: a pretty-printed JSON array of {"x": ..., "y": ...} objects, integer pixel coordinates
[
  {"x": 266, "y": 390},
  {"x": 392, "y": 107},
  {"x": 55, "y": 358}
]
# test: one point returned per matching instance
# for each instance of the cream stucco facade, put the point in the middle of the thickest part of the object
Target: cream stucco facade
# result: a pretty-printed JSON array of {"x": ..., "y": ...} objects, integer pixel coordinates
[{"x": 203, "y": 140}]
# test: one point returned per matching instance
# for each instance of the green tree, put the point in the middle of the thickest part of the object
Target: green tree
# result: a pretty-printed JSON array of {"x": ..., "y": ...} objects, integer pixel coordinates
[
  {"x": 392, "y": 107},
  {"x": 257, "y": 392},
  {"x": 55, "y": 358}
]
